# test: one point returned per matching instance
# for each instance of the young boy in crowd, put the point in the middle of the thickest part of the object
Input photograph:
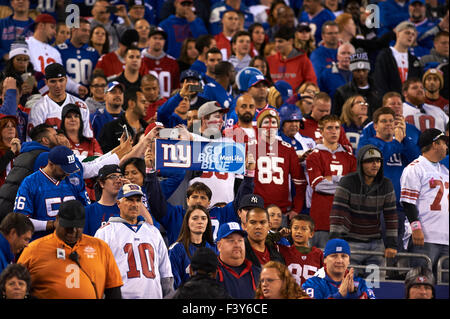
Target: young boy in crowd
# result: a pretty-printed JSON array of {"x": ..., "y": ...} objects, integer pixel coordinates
[{"x": 302, "y": 260}]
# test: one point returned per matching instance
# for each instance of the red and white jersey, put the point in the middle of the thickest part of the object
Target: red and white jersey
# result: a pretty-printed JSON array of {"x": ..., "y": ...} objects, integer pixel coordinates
[
  {"x": 311, "y": 129},
  {"x": 111, "y": 64},
  {"x": 165, "y": 69},
  {"x": 425, "y": 184},
  {"x": 224, "y": 45},
  {"x": 302, "y": 266},
  {"x": 42, "y": 54},
  {"x": 320, "y": 163},
  {"x": 141, "y": 256},
  {"x": 47, "y": 111},
  {"x": 431, "y": 117},
  {"x": 276, "y": 165}
]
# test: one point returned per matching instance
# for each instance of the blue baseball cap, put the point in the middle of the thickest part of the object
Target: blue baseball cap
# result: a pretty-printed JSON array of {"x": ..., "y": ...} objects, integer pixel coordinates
[
  {"x": 414, "y": 1},
  {"x": 256, "y": 79},
  {"x": 285, "y": 89},
  {"x": 336, "y": 246},
  {"x": 244, "y": 75},
  {"x": 129, "y": 190},
  {"x": 227, "y": 229},
  {"x": 112, "y": 85},
  {"x": 64, "y": 157}
]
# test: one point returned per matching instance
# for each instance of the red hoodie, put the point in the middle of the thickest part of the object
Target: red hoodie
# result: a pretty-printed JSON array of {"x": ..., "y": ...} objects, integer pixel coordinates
[{"x": 295, "y": 70}]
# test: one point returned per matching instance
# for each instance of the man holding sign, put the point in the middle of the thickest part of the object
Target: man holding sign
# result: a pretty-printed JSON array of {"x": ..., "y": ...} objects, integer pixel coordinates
[{"x": 198, "y": 193}]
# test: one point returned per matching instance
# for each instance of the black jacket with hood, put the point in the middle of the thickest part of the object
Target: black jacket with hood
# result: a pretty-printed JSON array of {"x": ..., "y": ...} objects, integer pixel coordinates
[{"x": 357, "y": 207}]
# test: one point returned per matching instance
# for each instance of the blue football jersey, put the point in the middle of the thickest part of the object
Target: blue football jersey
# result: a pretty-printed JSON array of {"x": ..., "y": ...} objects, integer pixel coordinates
[
  {"x": 39, "y": 196},
  {"x": 78, "y": 62},
  {"x": 97, "y": 215}
]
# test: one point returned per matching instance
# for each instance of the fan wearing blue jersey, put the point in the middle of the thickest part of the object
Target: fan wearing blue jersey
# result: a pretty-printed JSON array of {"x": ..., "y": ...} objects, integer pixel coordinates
[
  {"x": 109, "y": 182},
  {"x": 78, "y": 57},
  {"x": 41, "y": 193},
  {"x": 171, "y": 217},
  {"x": 196, "y": 232}
]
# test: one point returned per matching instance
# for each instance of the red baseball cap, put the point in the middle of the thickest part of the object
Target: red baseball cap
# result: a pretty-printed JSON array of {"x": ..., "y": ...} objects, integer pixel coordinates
[{"x": 45, "y": 18}]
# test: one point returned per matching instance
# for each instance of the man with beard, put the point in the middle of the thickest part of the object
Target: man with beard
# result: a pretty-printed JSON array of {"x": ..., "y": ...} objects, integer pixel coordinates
[
  {"x": 418, "y": 113},
  {"x": 77, "y": 56},
  {"x": 433, "y": 82},
  {"x": 41, "y": 193},
  {"x": 243, "y": 131}
]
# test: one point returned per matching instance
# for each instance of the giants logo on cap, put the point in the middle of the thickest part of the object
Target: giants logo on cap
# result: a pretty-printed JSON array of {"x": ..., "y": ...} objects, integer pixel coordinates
[
  {"x": 71, "y": 159},
  {"x": 233, "y": 226},
  {"x": 338, "y": 248}
]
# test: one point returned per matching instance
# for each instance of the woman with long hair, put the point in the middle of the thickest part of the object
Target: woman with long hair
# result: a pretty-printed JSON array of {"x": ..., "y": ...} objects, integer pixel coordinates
[
  {"x": 258, "y": 38},
  {"x": 354, "y": 118},
  {"x": 9, "y": 144},
  {"x": 196, "y": 231},
  {"x": 188, "y": 54},
  {"x": 304, "y": 38},
  {"x": 98, "y": 39},
  {"x": 276, "y": 282}
]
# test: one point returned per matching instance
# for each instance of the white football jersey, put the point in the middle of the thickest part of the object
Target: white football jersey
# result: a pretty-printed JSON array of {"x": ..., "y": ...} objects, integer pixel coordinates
[
  {"x": 47, "y": 111},
  {"x": 425, "y": 184},
  {"x": 433, "y": 117},
  {"x": 141, "y": 256},
  {"x": 42, "y": 54}
]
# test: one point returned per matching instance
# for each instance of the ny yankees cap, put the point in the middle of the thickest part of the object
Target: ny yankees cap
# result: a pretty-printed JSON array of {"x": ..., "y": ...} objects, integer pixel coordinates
[
  {"x": 64, "y": 157},
  {"x": 54, "y": 70},
  {"x": 431, "y": 135},
  {"x": 204, "y": 259},
  {"x": 72, "y": 214},
  {"x": 251, "y": 200},
  {"x": 227, "y": 229},
  {"x": 336, "y": 246},
  {"x": 129, "y": 190}
]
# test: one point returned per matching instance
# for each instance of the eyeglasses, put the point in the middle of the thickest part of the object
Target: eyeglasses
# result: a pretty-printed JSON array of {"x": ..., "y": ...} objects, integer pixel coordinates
[
  {"x": 268, "y": 280},
  {"x": 114, "y": 177}
]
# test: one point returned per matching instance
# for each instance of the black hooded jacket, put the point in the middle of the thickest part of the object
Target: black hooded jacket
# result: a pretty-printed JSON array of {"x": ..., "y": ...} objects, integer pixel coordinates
[{"x": 357, "y": 207}]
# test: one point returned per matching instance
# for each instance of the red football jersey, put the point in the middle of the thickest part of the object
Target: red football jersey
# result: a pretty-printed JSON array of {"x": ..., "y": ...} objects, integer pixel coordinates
[
  {"x": 311, "y": 129},
  {"x": 165, "y": 69},
  {"x": 320, "y": 163},
  {"x": 224, "y": 45},
  {"x": 111, "y": 64},
  {"x": 274, "y": 165},
  {"x": 302, "y": 266}
]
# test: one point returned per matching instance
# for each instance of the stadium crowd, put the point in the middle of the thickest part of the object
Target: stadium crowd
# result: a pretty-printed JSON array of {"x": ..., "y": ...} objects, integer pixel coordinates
[{"x": 342, "y": 110}]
